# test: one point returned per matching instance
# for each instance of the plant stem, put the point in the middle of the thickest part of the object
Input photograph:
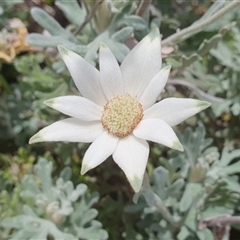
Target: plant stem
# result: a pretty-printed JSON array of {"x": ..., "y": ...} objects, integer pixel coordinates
[
  {"x": 89, "y": 16},
  {"x": 199, "y": 26},
  {"x": 143, "y": 6},
  {"x": 196, "y": 89},
  {"x": 161, "y": 208},
  {"x": 219, "y": 220}
]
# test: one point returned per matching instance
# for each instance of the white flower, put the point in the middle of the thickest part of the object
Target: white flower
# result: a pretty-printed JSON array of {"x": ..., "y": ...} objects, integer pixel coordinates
[{"x": 117, "y": 110}]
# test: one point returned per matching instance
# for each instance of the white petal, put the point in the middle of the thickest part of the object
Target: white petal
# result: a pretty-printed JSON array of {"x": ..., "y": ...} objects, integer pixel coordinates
[
  {"x": 111, "y": 76},
  {"x": 85, "y": 76},
  {"x": 69, "y": 130},
  {"x": 158, "y": 131},
  {"x": 175, "y": 110},
  {"x": 99, "y": 151},
  {"x": 142, "y": 64},
  {"x": 77, "y": 107},
  {"x": 131, "y": 155},
  {"x": 155, "y": 87}
]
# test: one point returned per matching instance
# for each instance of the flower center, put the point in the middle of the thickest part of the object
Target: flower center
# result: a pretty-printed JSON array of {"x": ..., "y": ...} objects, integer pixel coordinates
[{"x": 121, "y": 115}]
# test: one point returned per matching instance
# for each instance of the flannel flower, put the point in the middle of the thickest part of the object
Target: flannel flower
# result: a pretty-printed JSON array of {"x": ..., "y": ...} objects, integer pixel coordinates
[{"x": 117, "y": 110}]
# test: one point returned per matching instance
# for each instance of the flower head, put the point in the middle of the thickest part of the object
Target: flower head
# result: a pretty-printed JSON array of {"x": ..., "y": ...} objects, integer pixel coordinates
[{"x": 117, "y": 110}]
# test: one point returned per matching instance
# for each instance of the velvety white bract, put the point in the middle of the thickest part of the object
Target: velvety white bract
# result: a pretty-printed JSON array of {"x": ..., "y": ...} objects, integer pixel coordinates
[{"x": 138, "y": 80}]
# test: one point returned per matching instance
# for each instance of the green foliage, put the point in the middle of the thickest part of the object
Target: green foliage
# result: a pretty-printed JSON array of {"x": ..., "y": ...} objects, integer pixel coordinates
[
  {"x": 56, "y": 209},
  {"x": 87, "y": 46},
  {"x": 45, "y": 197},
  {"x": 187, "y": 188}
]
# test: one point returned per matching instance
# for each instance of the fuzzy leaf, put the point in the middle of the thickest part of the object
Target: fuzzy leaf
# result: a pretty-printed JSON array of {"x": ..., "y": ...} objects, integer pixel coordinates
[
  {"x": 188, "y": 60},
  {"x": 79, "y": 191},
  {"x": 190, "y": 195},
  {"x": 94, "y": 232},
  {"x": 47, "y": 22},
  {"x": 60, "y": 90},
  {"x": 160, "y": 176},
  {"x": 123, "y": 34},
  {"x": 43, "y": 170},
  {"x": 34, "y": 228},
  {"x": 228, "y": 156},
  {"x": 208, "y": 44},
  {"x": 66, "y": 174},
  {"x": 88, "y": 216},
  {"x": 175, "y": 189},
  {"x": 134, "y": 21},
  {"x": 40, "y": 40},
  {"x": 231, "y": 169},
  {"x": 72, "y": 11}
]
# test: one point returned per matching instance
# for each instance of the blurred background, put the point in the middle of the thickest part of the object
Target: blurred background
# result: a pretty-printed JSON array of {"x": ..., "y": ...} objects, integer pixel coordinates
[{"x": 43, "y": 195}]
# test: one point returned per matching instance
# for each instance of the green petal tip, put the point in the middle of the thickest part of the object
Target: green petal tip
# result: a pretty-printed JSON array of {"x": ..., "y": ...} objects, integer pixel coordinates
[
  {"x": 103, "y": 45},
  {"x": 154, "y": 33},
  {"x": 203, "y": 104},
  {"x": 168, "y": 67},
  {"x": 178, "y": 146},
  {"x": 35, "y": 139},
  {"x": 84, "y": 169},
  {"x": 62, "y": 50},
  {"x": 136, "y": 183},
  {"x": 49, "y": 102}
]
